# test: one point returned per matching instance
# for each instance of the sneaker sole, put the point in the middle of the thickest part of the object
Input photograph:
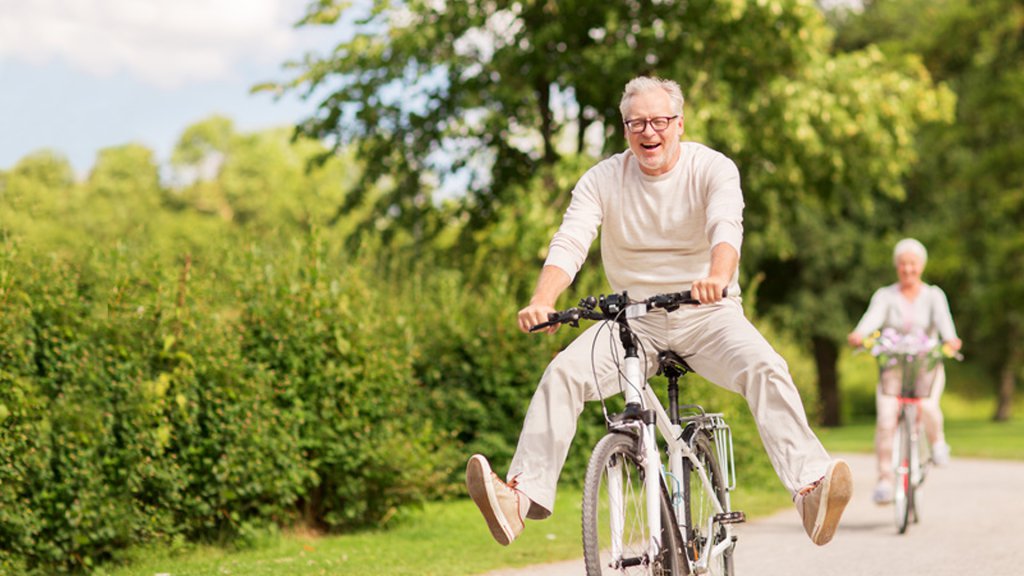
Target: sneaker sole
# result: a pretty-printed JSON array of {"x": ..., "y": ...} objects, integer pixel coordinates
[
  {"x": 481, "y": 490},
  {"x": 837, "y": 488}
]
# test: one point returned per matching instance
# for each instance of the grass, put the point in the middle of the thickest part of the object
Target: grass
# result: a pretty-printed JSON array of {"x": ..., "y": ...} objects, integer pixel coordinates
[
  {"x": 969, "y": 438},
  {"x": 442, "y": 538}
]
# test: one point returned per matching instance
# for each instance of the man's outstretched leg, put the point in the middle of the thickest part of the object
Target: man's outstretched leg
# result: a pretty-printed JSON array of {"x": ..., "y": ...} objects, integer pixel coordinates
[
  {"x": 548, "y": 430},
  {"x": 728, "y": 350}
]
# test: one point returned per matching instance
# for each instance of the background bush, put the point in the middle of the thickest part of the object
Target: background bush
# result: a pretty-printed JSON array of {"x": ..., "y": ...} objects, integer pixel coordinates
[{"x": 138, "y": 403}]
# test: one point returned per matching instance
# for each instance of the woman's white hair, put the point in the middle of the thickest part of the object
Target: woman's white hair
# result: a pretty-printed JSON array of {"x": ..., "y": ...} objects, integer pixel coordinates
[
  {"x": 912, "y": 246},
  {"x": 642, "y": 84}
]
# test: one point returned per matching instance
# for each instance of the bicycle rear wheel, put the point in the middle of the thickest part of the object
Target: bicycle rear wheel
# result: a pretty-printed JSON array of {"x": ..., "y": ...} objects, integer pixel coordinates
[
  {"x": 700, "y": 508},
  {"x": 615, "y": 481},
  {"x": 903, "y": 484}
]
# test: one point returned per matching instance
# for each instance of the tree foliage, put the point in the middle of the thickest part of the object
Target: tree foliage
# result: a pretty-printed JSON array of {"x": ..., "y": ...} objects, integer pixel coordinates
[
  {"x": 825, "y": 183},
  {"x": 257, "y": 180},
  {"x": 968, "y": 194},
  {"x": 36, "y": 193},
  {"x": 433, "y": 92},
  {"x": 517, "y": 87}
]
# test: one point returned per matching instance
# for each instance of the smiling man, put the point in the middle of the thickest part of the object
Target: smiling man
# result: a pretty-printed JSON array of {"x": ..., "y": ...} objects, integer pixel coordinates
[{"x": 671, "y": 219}]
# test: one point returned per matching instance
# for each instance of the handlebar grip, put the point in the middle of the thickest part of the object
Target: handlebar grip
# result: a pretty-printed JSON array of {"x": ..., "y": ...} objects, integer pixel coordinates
[
  {"x": 543, "y": 325},
  {"x": 687, "y": 295},
  {"x": 570, "y": 316},
  {"x": 676, "y": 299}
]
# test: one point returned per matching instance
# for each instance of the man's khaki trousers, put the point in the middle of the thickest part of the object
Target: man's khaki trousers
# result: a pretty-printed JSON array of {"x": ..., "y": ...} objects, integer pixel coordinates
[{"x": 718, "y": 342}]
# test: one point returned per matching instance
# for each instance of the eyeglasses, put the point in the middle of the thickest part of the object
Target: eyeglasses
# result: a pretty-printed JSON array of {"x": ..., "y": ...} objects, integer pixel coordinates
[{"x": 659, "y": 123}]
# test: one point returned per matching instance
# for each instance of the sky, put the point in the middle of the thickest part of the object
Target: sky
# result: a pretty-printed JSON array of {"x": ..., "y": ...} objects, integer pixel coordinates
[{"x": 77, "y": 76}]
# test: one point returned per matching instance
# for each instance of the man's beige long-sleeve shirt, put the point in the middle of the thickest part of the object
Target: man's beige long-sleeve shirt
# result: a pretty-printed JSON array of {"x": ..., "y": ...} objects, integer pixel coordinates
[{"x": 656, "y": 231}]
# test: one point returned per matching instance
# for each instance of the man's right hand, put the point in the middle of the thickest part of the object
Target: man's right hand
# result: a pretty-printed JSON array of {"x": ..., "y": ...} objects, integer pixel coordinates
[
  {"x": 552, "y": 282},
  {"x": 536, "y": 314}
]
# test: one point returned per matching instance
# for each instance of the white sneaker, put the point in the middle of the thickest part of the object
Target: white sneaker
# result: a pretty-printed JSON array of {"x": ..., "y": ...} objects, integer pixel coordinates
[
  {"x": 822, "y": 502},
  {"x": 883, "y": 493},
  {"x": 501, "y": 504},
  {"x": 940, "y": 453}
]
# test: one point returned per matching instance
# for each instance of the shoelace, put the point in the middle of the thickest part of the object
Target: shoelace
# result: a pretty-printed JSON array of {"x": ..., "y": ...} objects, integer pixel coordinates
[
  {"x": 809, "y": 488},
  {"x": 511, "y": 485}
]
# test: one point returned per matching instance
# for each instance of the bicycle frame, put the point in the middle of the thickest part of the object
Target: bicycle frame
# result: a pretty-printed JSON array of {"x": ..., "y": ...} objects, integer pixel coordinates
[
  {"x": 910, "y": 409},
  {"x": 910, "y": 473},
  {"x": 637, "y": 391}
]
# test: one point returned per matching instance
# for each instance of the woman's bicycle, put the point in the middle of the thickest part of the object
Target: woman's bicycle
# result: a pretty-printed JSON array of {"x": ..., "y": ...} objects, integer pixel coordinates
[
  {"x": 643, "y": 514},
  {"x": 914, "y": 356}
]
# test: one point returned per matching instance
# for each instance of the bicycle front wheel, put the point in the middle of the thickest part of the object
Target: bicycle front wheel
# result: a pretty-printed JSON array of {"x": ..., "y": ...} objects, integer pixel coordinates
[
  {"x": 616, "y": 534},
  {"x": 701, "y": 509},
  {"x": 903, "y": 484}
]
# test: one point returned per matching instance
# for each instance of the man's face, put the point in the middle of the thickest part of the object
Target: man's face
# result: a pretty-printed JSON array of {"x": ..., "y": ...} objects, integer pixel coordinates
[{"x": 656, "y": 151}]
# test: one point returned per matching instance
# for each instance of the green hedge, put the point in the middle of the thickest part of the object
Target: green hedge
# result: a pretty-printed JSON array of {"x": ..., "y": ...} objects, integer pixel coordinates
[{"x": 199, "y": 401}]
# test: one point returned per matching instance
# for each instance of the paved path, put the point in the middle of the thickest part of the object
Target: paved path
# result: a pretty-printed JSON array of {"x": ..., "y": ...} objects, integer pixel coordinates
[{"x": 972, "y": 522}]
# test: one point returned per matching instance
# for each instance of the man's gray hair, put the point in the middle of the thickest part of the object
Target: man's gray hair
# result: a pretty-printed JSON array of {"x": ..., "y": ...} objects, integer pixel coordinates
[{"x": 642, "y": 84}]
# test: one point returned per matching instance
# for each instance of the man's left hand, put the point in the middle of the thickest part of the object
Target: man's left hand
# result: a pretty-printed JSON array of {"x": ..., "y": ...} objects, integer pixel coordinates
[{"x": 709, "y": 290}]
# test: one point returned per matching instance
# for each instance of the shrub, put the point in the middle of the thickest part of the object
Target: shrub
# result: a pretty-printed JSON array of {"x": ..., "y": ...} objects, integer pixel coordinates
[
  {"x": 341, "y": 362},
  {"x": 141, "y": 401}
]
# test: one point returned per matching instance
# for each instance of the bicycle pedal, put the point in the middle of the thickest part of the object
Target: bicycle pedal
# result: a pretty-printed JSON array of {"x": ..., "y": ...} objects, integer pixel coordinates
[{"x": 735, "y": 517}]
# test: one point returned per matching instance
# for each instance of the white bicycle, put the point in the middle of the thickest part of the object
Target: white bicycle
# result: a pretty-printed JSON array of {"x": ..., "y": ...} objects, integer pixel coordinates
[{"x": 643, "y": 514}]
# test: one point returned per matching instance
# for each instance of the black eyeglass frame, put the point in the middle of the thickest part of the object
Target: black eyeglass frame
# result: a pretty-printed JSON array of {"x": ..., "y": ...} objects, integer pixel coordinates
[{"x": 643, "y": 122}]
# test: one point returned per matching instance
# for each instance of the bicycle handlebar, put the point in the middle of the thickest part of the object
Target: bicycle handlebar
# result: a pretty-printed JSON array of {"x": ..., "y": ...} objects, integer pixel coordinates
[{"x": 616, "y": 307}]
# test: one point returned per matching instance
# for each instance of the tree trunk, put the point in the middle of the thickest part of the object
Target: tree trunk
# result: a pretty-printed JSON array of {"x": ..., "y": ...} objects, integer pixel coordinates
[
  {"x": 543, "y": 89},
  {"x": 826, "y": 357},
  {"x": 1008, "y": 378},
  {"x": 581, "y": 140}
]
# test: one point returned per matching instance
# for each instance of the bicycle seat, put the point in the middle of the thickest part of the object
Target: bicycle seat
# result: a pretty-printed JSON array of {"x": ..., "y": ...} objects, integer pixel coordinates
[{"x": 672, "y": 365}]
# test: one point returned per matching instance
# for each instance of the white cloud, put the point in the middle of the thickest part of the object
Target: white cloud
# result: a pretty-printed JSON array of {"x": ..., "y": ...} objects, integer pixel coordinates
[{"x": 166, "y": 43}]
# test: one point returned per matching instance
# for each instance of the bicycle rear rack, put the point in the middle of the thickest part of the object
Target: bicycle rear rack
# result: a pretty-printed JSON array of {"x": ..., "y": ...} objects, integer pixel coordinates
[{"x": 722, "y": 436}]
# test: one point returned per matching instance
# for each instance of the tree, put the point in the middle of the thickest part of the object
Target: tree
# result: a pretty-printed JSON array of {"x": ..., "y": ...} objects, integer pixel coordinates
[
  {"x": 35, "y": 194},
  {"x": 833, "y": 147},
  {"x": 969, "y": 191},
  {"x": 519, "y": 86},
  {"x": 490, "y": 93},
  {"x": 257, "y": 179}
]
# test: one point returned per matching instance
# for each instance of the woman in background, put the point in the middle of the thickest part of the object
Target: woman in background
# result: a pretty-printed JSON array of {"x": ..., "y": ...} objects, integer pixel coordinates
[{"x": 909, "y": 305}]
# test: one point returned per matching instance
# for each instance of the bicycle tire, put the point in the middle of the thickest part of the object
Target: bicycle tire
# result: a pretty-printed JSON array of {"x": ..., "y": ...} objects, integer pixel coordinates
[
  {"x": 620, "y": 449},
  {"x": 923, "y": 462},
  {"x": 903, "y": 486},
  {"x": 698, "y": 509}
]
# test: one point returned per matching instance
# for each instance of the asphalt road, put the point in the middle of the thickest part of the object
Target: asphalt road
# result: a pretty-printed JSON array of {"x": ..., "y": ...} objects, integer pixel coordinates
[{"x": 972, "y": 523}]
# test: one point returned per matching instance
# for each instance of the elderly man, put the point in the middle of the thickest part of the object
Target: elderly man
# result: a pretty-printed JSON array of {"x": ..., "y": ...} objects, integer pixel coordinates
[{"x": 670, "y": 215}]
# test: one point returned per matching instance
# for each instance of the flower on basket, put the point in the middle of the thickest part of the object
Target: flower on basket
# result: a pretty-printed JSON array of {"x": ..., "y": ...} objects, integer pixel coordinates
[{"x": 889, "y": 345}]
